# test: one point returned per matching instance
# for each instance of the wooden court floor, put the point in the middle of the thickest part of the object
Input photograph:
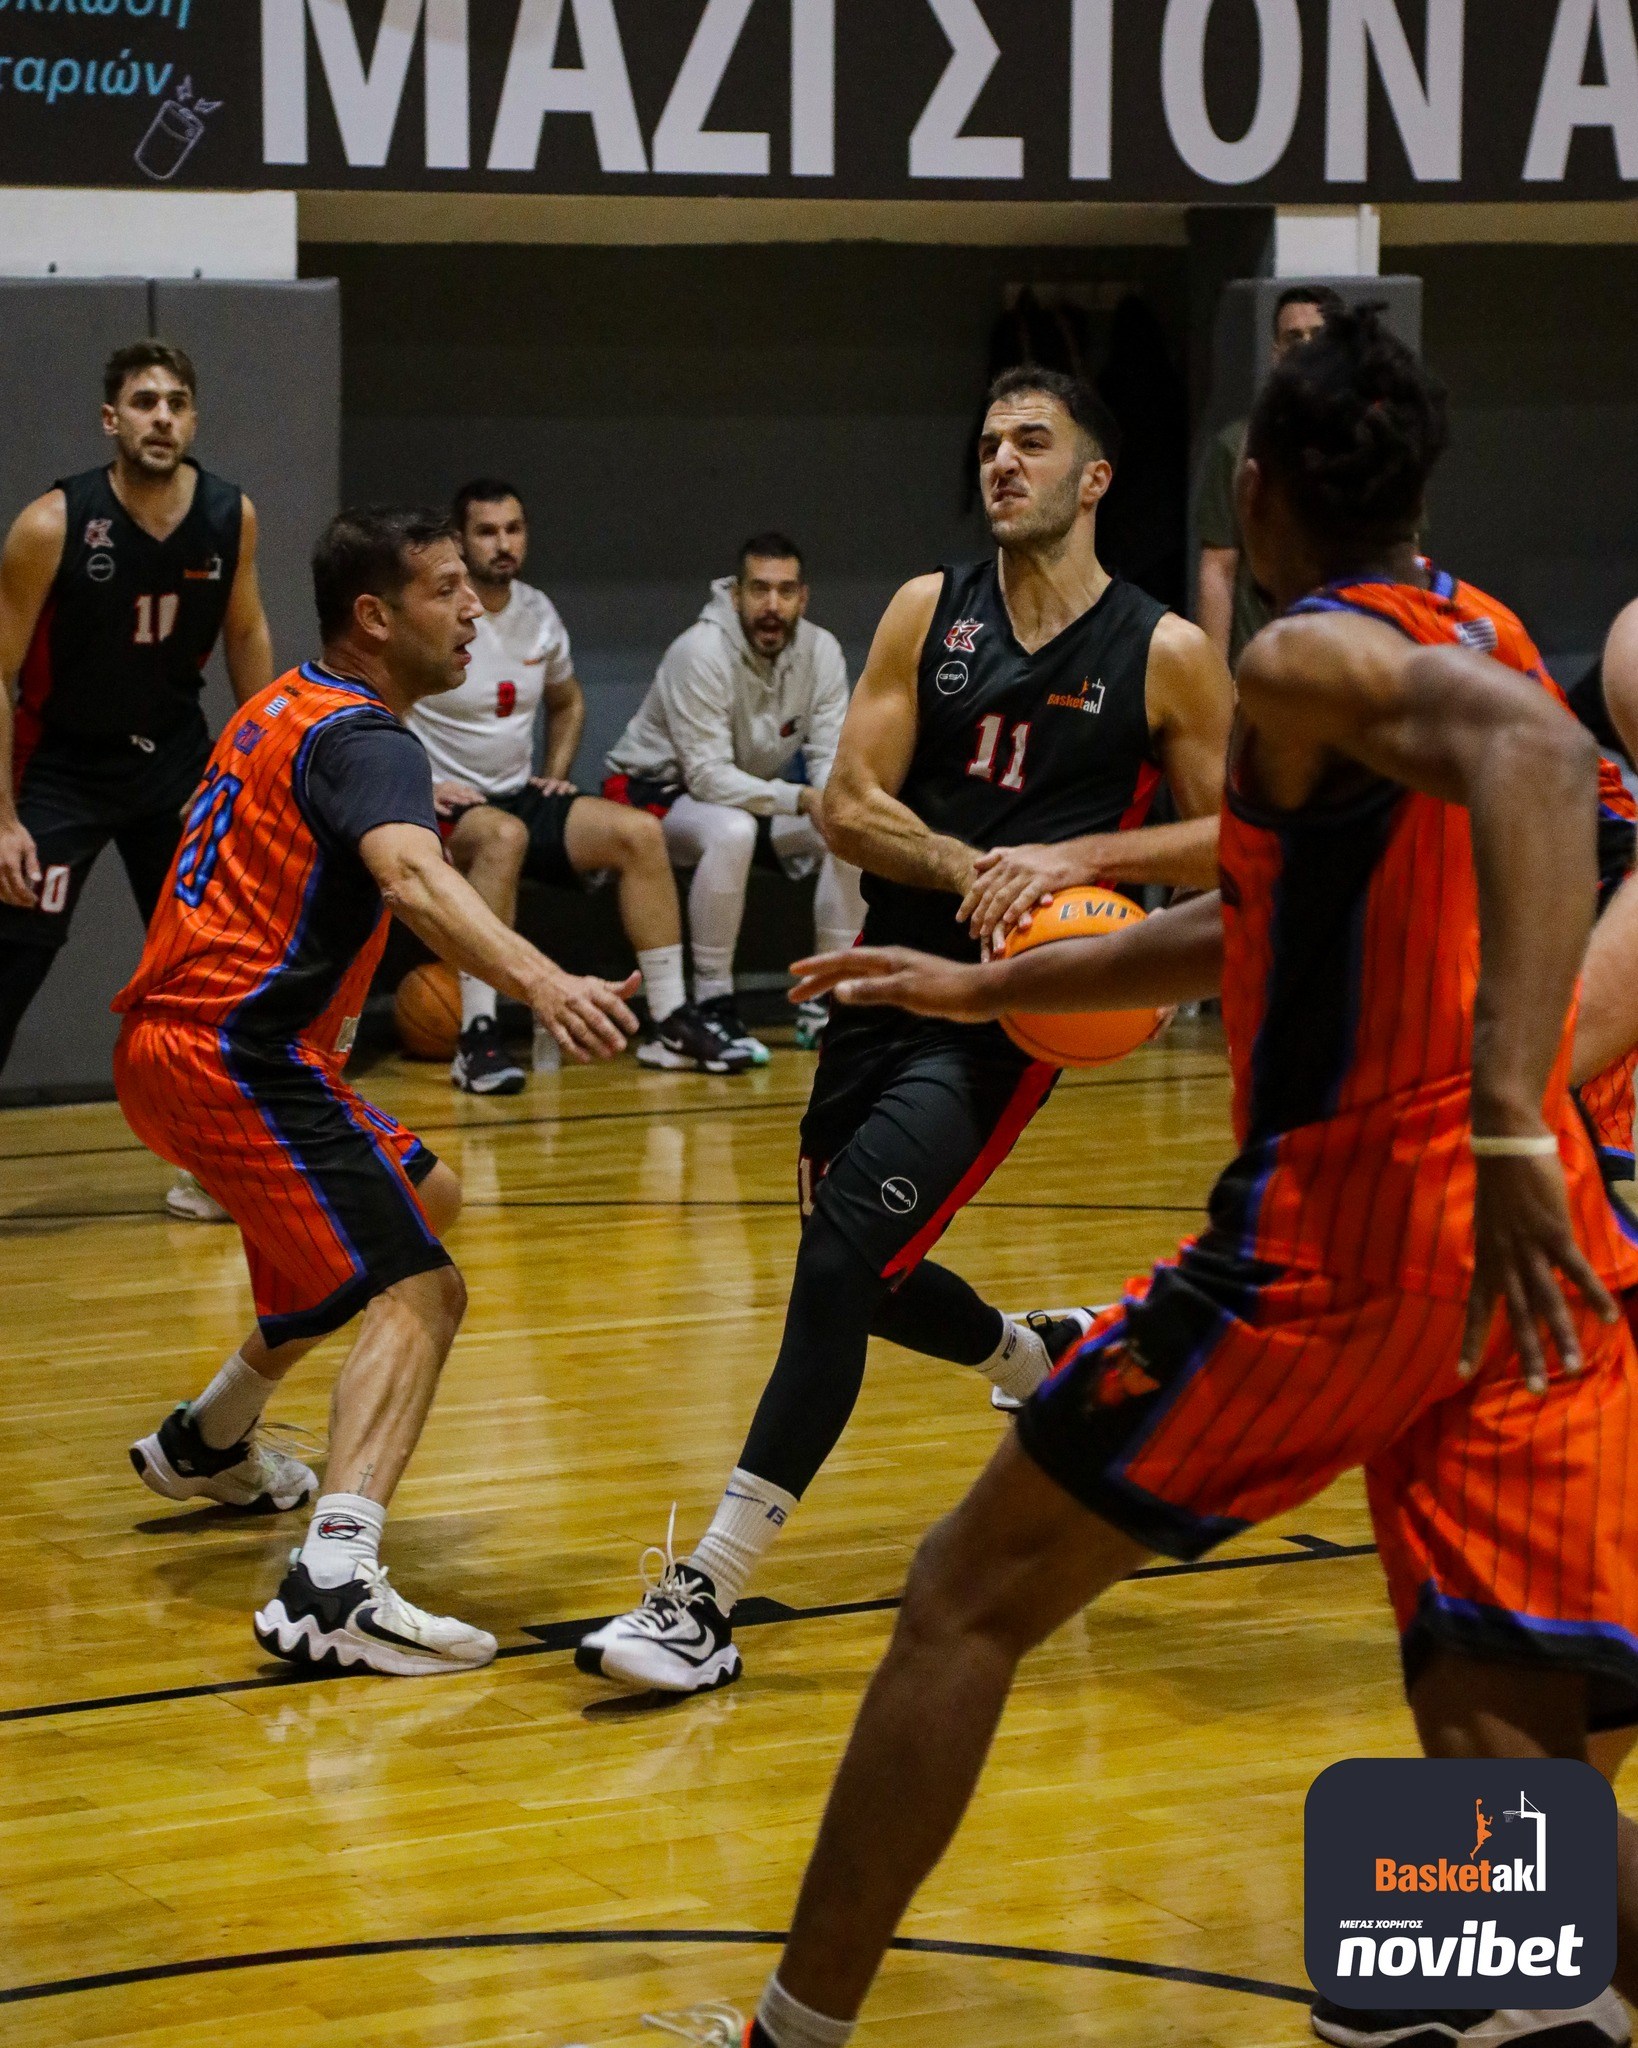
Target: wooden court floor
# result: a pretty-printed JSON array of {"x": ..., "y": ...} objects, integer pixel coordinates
[{"x": 195, "y": 1851}]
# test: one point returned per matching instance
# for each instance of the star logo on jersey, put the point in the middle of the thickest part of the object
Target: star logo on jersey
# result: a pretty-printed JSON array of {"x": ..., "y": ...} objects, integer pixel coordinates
[
  {"x": 99, "y": 533},
  {"x": 962, "y": 637}
]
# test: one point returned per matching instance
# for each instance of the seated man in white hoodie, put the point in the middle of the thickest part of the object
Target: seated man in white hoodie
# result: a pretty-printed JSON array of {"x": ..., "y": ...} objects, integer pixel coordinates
[{"x": 749, "y": 686}]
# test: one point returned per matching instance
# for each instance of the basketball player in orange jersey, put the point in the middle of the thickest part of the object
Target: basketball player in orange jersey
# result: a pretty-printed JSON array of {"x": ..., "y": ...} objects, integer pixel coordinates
[
  {"x": 1408, "y": 874},
  {"x": 316, "y": 810}
]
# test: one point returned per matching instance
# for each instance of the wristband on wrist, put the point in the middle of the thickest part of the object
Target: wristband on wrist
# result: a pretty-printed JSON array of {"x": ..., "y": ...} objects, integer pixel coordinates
[{"x": 1545, "y": 1147}]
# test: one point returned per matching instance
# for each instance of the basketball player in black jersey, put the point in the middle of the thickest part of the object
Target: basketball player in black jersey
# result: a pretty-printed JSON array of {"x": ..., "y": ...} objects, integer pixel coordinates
[
  {"x": 1011, "y": 731},
  {"x": 114, "y": 587}
]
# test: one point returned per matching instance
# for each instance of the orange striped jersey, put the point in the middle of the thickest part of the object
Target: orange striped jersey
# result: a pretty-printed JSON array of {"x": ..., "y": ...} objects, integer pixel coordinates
[
  {"x": 270, "y": 926},
  {"x": 1349, "y": 980}
]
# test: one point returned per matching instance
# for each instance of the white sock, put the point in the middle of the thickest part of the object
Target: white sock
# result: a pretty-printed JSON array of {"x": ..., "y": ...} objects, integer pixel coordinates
[
  {"x": 713, "y": 972},
  {"x": 752, "y": 1513},
  {"x": 794, "y": 2025},
  {"x": 344, "y": 1533},
  {"x": 478, "y": 999},
  {"x": 231, "y": 1405},
  {"x": 1019, "y": 1363},
  {"x": 663, "y": 984}
]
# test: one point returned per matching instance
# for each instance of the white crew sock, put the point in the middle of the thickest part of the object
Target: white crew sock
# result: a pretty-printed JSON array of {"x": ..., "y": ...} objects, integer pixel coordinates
[
  {"x": 231, "y": 1405},
  {"x": 662, "y": 970},
  {"x": 713, "y": 972},
  {"x": 478, "y": 999},
  {"x": 1019, "y": 1363},
  {"x": 752, "y": 1513},
  {"x": 344, "y": 1533},
  {"x": 794, "y": 2025}
]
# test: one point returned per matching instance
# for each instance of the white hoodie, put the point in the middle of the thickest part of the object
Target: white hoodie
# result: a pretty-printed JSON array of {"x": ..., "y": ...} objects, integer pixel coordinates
[{"x": 721, "y": 720}]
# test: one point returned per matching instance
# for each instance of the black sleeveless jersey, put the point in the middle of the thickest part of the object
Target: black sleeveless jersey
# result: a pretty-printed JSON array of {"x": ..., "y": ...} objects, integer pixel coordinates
[
  {"x": 1017, "y": 748},
  {"x": 130, "y": 621}
]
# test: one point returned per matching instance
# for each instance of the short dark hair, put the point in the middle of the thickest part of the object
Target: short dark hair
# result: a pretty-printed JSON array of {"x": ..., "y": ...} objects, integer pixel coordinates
[
  {"x": 1074, "y": 394},
  {"x": 1352, "y": 425},
  {"x": 364, "y": 553},
  {"x": 1321, "y": 295},
  {"x": 147, "y": 355},
  {"x": 769, "y": 547},
  {"x": 483, "y": 490}
]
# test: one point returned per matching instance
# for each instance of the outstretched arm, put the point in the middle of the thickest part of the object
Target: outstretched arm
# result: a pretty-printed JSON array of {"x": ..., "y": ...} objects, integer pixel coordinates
[
  {"x": 1471, "y": 732},
  {"x": 586, "y": 1016},
  {"x": 864, "y": 822},
  {"x": 1174, "y": 957}
]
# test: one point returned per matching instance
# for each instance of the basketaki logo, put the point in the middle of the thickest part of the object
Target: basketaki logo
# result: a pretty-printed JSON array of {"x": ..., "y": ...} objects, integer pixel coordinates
[{"x": 1428, "y": 1884}]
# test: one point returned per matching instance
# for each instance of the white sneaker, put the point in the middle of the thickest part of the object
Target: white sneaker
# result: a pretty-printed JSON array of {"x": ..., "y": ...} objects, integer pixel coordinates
[
  {"x": 254, "y": 1474},
  {"x": 1058, "y": 1329},
  {"x": 679, "y": 1640},
  {"x": 366, "y": 1624},
  {"x": 1602, "y": 2024},
  {"x": 187, "y": 1200}
]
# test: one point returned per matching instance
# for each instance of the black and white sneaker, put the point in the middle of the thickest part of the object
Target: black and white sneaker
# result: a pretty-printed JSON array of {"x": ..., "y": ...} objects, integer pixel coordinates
[
  {"x": 482, "y": 1065},
  {"x": 253, "y": 1474},
  {"x": 690, "y": 1041},
  {"x": 1058, "y": 1329},
  {"x": 367, "y": 1625},
  {"x": 1602, "y": 2024},
  {"x": 811, "y": 1020},
  {"x": 679, "y": 1640},
  {"x": 726, "y": 1012}
]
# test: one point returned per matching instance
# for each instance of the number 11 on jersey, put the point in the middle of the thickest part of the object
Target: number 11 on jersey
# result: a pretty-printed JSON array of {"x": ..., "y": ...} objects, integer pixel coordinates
[
  {"x": 984, "y": 757},
  {"x": 149, "y": 632}
]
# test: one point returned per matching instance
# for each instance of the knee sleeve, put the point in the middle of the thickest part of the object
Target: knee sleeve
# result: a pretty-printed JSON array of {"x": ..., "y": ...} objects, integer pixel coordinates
[{"x": 815, "y": 1382}]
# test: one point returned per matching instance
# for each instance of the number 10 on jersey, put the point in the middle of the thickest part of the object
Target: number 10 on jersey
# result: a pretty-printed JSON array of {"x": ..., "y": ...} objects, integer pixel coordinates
[
  {"x": 988, "y": 751},
  {"x": 150, "y": 630}
]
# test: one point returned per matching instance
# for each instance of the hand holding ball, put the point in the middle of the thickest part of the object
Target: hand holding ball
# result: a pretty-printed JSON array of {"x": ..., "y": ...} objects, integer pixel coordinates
[{"x": 1086, "y": 1038}]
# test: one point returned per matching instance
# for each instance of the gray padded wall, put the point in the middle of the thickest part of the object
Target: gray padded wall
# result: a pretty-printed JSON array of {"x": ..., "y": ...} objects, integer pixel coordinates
[{"x": 270, "y": 401}]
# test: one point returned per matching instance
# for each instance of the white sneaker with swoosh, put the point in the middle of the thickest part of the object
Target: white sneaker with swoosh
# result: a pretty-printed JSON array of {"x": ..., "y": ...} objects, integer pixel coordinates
[
  {"x": 678, "y": 1640},
  {"x": 367, "y": 1625}
]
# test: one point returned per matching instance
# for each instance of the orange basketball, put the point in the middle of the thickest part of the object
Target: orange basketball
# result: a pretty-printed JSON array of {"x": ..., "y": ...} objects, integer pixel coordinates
[
  {"x": 1087, "y": 1038},
  {"x": 427, "y": 1011}
]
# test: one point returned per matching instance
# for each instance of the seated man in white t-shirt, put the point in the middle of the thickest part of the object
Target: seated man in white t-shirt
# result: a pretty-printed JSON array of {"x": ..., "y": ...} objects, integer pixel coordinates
[
  {"x": 502, "y": 822},
  {"x": 750, "y": 686}
]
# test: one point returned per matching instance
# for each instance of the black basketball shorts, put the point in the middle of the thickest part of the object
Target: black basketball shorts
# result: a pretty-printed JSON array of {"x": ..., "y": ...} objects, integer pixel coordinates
[{"x": 907, "y": 1121}]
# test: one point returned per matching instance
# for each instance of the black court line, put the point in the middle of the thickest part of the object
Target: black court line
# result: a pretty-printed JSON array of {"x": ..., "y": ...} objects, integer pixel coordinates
[
  {"x": 691, "y": 1937},
  {"x": 549, "y": 1638},
  {"x": 657, "y": 1110}
]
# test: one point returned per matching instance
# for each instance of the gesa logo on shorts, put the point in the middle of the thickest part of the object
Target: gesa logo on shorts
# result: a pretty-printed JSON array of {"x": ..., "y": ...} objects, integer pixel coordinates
[
  {"x": 899, "y": 1195},
  {"x": 1477, "y": 1911}
]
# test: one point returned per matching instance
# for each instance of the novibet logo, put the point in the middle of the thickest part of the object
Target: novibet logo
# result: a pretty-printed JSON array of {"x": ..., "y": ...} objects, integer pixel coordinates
[{"x": 1428, "y": 1884}]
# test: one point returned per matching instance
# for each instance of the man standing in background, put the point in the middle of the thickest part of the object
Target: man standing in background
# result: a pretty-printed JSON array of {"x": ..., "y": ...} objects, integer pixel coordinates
[
  {"x": 1228, "y": 608},
  {"x": 114, "y": 587},
  {"x": 501, "y": 821},
  {"x": 751, "y": 684}
]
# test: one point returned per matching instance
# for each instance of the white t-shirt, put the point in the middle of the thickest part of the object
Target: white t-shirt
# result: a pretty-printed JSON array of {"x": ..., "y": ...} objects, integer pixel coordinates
[{"x": 484, "y": 732}]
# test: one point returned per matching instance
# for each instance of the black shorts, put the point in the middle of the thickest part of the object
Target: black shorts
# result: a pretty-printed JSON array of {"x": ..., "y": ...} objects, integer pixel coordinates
[
  {"x": 907, "y": 1121},
  {"x": 77, "y": 795},
  {"x": 547, "y": 818}
]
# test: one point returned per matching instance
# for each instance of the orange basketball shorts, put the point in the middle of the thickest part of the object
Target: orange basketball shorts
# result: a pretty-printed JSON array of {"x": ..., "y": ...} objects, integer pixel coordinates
[
  {"x": 1219, "y": 1393},
  {"x": 321, "y": 1184}
]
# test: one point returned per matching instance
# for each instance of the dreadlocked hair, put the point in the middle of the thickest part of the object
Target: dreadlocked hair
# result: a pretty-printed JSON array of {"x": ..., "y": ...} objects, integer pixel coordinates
[{"x": 1352, "y": 424}]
